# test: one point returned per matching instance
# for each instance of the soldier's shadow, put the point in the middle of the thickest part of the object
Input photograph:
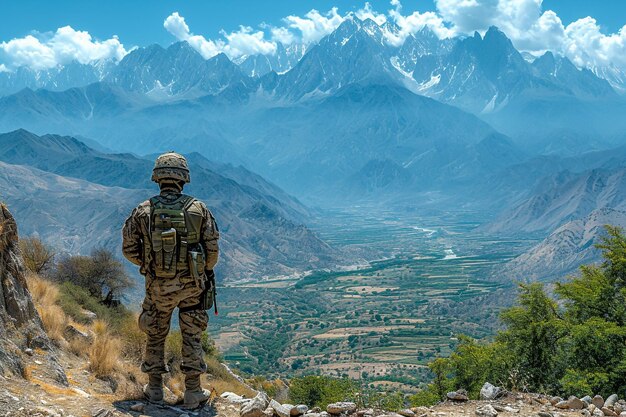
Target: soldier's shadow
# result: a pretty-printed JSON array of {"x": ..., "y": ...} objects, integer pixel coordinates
[{"x": 143, "y": 408}]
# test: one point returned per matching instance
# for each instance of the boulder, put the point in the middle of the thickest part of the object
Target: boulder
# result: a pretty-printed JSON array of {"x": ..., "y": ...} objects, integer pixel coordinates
[
  {"x": 486, "y": 410},
  {"x": 458, "y": 395},
  {"x": 490, "y": 392},
  {"x": 299, "y": 409},
  {"x": 256, "y": 406},
  {"x": 598, "y": 401},
  {"x": 341, "y": 407},
  {"x": 555, "y": 400},
  {"x": 610, "y": 402},
  {"x": 406, "y": 413},
  {"x": 365, "y": 412},
  {"x": 608, "y": 412},
  {"x": 572, "y": 403},
  {"x": 587, "y": 399},
  {"x": 279, "y": 409}
]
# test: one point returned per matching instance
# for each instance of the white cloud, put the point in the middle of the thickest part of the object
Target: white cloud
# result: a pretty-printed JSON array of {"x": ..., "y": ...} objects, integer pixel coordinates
[
  {"x": 176, "y": 25},
  {"x": 415, "y": 22},
  {"x": 247, "y": 42},
  {"x": 64, "y": 46},
  {"x": 282, "y": 35},
  {"x": 532, "y": 29},
  {"x": 368, "y": 13},
  {"x": 587, "y": 46},
  {"x": 315, "y": 25}
]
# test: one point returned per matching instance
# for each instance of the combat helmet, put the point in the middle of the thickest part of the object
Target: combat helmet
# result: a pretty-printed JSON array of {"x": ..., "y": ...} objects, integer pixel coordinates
[{"x": 171, "y": 165}]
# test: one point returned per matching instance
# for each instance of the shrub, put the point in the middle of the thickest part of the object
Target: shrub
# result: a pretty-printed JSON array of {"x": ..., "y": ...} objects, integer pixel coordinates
[
  {"x": 38, "y": 257},
  {"x": 321, "y": 390}
]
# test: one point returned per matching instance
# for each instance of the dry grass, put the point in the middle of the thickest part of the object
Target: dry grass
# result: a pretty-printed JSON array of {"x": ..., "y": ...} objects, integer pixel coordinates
[
  {"x": 222, "y": 381},
  {"x": 104, "y": 353},
  {"x": 78, "y": 347},
  {"x": 45, "y": 296},
  {"x": 54, "y": 320},
  {"x": 43, "y": 291}
]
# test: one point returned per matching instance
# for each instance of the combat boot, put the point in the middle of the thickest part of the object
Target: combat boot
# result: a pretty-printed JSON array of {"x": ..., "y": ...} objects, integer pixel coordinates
[
  {"x": 153, "y": 390},
  {"x": 195, "y": 396}
]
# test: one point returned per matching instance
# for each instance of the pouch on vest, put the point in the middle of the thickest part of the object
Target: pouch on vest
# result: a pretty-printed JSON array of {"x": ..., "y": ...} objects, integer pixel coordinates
[{"x": 169, "y": 236}]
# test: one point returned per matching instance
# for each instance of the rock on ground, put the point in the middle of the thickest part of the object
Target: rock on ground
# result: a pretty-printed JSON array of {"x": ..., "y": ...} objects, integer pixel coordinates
[{"x": 341, "y": 407}]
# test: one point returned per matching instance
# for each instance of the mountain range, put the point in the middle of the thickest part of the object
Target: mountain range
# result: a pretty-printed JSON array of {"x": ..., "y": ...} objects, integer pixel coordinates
[
  {"x": 532, "y": 141},
  {"x": 76, "y": 198}
]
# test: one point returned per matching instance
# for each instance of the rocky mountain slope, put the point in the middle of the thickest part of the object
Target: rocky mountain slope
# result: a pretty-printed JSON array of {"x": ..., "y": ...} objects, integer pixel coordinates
[
  {"x": 563, "y": 197},
  {"x": 21, "y": 329},
  {"x": 44, "y": 178},
  {"x": 565, "y": 249}
]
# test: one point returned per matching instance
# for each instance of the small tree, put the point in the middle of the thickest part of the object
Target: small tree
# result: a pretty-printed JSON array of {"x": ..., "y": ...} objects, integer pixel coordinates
[
  {"x": 38, "y": 257},
  {"x": 533, "y": 334},
  {"x": 101, "y": 274}
]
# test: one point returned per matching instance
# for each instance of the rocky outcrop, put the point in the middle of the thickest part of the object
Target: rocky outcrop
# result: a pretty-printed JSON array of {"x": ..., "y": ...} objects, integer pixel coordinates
[{"x": 20, "y": 324}]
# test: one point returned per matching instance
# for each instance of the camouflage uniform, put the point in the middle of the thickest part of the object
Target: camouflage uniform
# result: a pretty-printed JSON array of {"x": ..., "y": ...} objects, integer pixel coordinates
[
  {"x": 164, "y": 295},
  {"x": 176, "y": 267}
]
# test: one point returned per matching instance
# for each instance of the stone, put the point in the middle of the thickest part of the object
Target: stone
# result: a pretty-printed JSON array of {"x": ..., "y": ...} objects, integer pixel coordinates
[
  {"x": 608, "y": 412},
  {"x": 572, "y": 403},
  {"x": 29, "y": 351},
  {"x": 279, "y": 409},
  {"x": 365, "y": 412},
  {"x": 587, "y": 399},
  {"x": 597, "y": 412},
  {"x": 299, "y": 409},
  {"x": 486, "y": 410},
  {"x": 256, "y": 406},
  {"x": 490, "y": 392},
  {"x": 618, "y": 408},
  {"x": 406, "y": 413},
  {"x": 89, "y": 314},
  {"x": 598, "y": 401},
  {"x": 585, "y": 413},
  {"x": 622, "y": 414},
  {"x": 610, "y": 402},
  {"x": 555, "y": 400},
  {"x": 458, "y": 395},
  {"x": 511, "y": 409},
  {"x": 341, "y": 407},
  {"x": 544, "y": 414},
  {"x": 137, "y": 407},
  {"x": 268, "y": 412},
  {"x": 72, "y": 333}
]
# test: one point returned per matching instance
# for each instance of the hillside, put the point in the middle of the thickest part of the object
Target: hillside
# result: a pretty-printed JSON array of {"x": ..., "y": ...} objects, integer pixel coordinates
[
  {"x": 560, "y": 198},
  {"x": 565, "y": 249},
  {"x": 45, "y": 177}
]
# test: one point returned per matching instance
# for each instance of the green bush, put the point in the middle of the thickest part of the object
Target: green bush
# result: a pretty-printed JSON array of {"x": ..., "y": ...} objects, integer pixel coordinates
[{"x": 319, "y": 391}]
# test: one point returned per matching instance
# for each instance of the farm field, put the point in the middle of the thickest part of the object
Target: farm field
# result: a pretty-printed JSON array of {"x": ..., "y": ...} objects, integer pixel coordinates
[{"x": 382, "y": 322}]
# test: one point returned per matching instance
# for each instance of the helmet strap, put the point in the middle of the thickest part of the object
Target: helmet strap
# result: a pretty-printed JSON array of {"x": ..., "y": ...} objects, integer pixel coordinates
[{"x": 171, "y": 185}]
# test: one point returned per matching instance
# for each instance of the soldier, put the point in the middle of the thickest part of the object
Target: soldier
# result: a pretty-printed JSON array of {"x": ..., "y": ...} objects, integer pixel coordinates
[{"x": 173, "y": 238}]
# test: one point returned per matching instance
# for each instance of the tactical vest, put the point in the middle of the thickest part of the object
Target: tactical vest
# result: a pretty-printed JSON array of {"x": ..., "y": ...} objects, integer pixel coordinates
[{"x": 175, "y": 229}]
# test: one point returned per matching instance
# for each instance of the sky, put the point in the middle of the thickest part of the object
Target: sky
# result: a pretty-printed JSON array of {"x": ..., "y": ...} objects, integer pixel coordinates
[{"x": 44, "y": 33}]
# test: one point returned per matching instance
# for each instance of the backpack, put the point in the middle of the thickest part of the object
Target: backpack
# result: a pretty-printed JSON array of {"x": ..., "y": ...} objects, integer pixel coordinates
[{"x": 175, "y": 228}]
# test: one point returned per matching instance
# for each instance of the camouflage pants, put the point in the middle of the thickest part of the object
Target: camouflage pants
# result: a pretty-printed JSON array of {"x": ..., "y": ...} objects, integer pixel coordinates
[{"x": 162, "y": 297}]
